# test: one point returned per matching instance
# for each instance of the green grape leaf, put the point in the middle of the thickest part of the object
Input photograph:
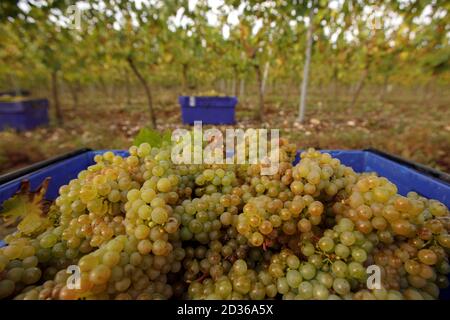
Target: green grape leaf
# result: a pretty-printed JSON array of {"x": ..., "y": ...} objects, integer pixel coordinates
[
  {"x": 152, "y": 137},
  {"x": 27, "y": 210},
  {"x": 167, "y": 137}
]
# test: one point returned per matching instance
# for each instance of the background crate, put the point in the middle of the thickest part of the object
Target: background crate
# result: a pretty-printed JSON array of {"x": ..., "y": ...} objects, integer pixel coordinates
[
  {"x": 209, "y": 110},
  {"x": 23, "y": 115}
]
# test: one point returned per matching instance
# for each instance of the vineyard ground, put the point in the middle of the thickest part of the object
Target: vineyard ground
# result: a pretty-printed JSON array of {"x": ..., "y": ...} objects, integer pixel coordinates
[{"x": 416, "y": 128}]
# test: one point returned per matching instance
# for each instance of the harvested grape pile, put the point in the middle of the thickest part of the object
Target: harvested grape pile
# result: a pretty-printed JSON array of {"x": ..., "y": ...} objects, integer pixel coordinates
[{"x": 143, "y": 228}]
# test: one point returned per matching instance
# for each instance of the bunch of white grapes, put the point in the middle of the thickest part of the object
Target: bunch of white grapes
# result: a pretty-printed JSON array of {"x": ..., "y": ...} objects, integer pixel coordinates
[{"x": 142, "y": 227}]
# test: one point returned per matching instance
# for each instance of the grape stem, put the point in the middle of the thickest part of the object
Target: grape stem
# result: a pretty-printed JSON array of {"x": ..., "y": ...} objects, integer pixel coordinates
[{"x": 202, "y": 277}]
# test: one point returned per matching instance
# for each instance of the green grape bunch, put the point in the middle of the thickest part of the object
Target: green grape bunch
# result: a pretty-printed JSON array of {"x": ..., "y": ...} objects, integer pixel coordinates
[{"x": 140, "y": 227}]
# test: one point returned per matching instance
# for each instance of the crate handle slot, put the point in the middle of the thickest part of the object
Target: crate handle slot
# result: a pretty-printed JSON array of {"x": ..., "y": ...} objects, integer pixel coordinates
[{"x": 191, "y": 101}]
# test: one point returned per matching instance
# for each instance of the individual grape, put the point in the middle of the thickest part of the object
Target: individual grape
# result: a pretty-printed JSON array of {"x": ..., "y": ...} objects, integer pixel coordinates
[
  {"x": 240, "y": 267},
  {"x": 164, "y": 185},
  {"x": 133, "y": 195},
  {"x": 142, "y": 232},
  {"x": 159, "y": 215},
  {"x": 359, "y": 255},
  {"x": 293, "y": 262},
  {"x": 3, "y": 262},
  {"x": 242, "y": 284},
  {"x": 347, "y": 238},
  {"x": 297, "y": 187},
  {"x": 15, "y": 274},
  {"x": 31, "y": 275},
  {"x": 342, "y": 251},
  {"x": 223, "y": 288},
  {"x": 88, "y": 262},
  {"x": 339, "y": 269},
  {"x": 293, "y": 278},
  {"x": 100, "y": 274},
  {"x": 308, "y": 249},
  {"x": 256, "y": 239},
  {"x": 304, "y": 225},
  {"x": 320, "y": 292},
  {"x": 356, "y": 270},
  {"x": 444, "y": 240},
  {"x": 266, "y": 227},
  {"x": 111, "y": 258},
  {"x": 282, "y": 285},
  {"x": 148, "y": 195},
  {"x": 305, "y": 290},
  {"x": 87, "y": 193},
  {"x": 226, "y": 219},
  {"x": 12, "y": 252},
  {"x": 7, "y": 288},
  {"x": 326, "y": 244},
  {"x": 30, "y": 262},
  {"x": 341, "y": 286},
  {"x": 427, "y": 256},
  {"x": 307, "y": 271},
  {"x": 113, "y": 196},
  {"x": 315, "y": 208}
]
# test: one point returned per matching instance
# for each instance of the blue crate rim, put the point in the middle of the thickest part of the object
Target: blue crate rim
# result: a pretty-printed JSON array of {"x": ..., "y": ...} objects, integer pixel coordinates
[
  {"x": 423, "y": 169},
  {"x": 228, "y": 101},
  {"x": 22, "y": 106},
  {"x": 20, "y": 173},
  {"x": 206, "y": 97}
]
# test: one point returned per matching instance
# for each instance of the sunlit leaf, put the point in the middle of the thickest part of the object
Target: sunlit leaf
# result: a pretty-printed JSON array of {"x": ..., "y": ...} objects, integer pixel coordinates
[
  {"x": 27, "y": 210},
  {"x": 152, "y": 137}
]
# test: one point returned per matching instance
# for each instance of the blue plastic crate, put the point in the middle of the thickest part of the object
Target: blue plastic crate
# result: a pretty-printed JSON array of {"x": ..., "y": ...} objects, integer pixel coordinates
[
  {"x": 406, "y": 179},
  {"x": 24, "y": 115},
  {"x": 209, "y": 110}
]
